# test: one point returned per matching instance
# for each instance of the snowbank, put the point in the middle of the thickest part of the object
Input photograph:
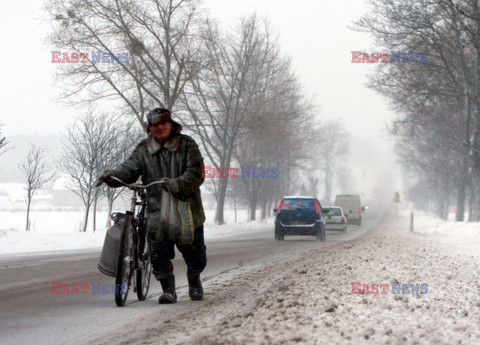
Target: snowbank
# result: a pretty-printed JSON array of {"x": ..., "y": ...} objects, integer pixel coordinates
[
  {"x": 428, "y": 224},
  {"x": 59, "y": 231},
  {"x": 13, "y": 241},
  {"x": 305, "y": 295}
]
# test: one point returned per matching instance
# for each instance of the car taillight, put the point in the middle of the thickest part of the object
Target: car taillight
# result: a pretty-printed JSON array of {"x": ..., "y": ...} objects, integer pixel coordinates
[
  {"x": 359, "y": 210},
  {"x": 317, "y": 207},
  {"x": 280, "y": 207},
  {"x": 342, "y": 219}
]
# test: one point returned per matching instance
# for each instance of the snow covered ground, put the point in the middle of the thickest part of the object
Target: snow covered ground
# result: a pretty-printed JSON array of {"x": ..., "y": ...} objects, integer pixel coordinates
[
  {"x": 305, "y": 296},
  {"x": 54, "y": 231},
  {"x": 59, "y": 230},
  {"x": 428, "y": 224},
  {"x": 55, "y": 228}
]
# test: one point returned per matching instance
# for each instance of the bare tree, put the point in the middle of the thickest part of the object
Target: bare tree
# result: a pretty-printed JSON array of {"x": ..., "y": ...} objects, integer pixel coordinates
[
  {"x": 147, "y": 49},
  {"x": 37, "y": 172},
  {"x": 445, "y": 88},
  {"x": 435, "y": 159},
  {"x": 274, "y": 147},
  {"x": 236, "y": 195},
  {"x": 3, "y": 141},
  {"x": 334, "y": 146},
  {"x": 125, "y": 136},
  {"x": 219, "y": 100},
  {"x": 235, "y": 94},
  {"x": 86, "y": 145}
]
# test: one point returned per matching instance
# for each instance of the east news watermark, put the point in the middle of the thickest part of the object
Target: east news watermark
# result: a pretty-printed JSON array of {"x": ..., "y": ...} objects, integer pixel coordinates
[
  {"x": 95, "y": 288},
  {"x": 397, "y": 288},
  {"x": 94, "y": 57},
  {"x": 246, "y": 172},
  {"x": 389, "y": 57}
]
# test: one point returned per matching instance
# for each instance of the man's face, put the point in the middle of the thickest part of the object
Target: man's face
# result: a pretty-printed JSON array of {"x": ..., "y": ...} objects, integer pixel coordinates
[{"x": 161, "y": 131}]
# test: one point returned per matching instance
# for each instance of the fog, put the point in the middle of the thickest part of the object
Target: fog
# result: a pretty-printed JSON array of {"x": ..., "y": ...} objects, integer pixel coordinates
[
  {"x": 278, "y": 93},
  {"x": 315, "y": 35}
]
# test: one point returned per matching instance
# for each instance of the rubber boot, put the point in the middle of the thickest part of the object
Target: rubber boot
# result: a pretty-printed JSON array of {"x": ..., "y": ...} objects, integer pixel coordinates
[
  {"x": 195, "y": 288},
  {"x": 168, "y": 286}
]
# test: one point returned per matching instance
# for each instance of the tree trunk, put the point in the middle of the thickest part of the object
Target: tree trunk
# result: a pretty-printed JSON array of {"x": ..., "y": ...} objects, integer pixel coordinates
[
  {"x": 27, "y": 225},
  {"x": 222, "y": 191},
  {"x": 441, "y": 204},
  {"x": 471, "y": 200},
  {"x": 475, "y": 179},
  {"x": 235, "y": 209},
  {"x": 463, "y": 181},
  {"x": 264, "y": 210},
  {"x": 95, "y": 213},
  {"x": 477, "y": 207},
  {"x": 287, "y": 184},
  {"x": 446, "y": 199},
  {"x": 110, "y": 207},
  {"x": 476, "y": 106},
  {"x": 252, "y": 206},
  {"x": 85, "y": 220},
  {"x": 328, "y": 185},
  {"x": 461, "y": 194}
]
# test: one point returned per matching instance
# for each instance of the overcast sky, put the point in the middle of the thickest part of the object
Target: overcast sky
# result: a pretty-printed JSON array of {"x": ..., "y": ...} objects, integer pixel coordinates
[{"x": 313, "y": 32}]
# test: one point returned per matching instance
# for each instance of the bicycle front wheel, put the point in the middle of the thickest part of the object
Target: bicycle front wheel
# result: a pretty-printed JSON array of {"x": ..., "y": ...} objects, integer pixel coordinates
[{"x": 124, "y": 265}]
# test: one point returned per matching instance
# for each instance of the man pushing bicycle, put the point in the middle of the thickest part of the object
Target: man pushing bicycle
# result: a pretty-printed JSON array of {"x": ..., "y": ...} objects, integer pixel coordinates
[{"x": 175, "y": 158}]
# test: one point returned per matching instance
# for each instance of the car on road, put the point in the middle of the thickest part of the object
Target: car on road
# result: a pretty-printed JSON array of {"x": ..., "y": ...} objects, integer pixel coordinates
[
  {"x": 335, "y": 218},
  {"x": 351, "y": 206},
  {"x": 299, "y": 215}
]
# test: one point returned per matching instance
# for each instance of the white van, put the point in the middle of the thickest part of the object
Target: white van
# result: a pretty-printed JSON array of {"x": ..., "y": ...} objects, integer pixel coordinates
[{"x": 352, "y": 207}]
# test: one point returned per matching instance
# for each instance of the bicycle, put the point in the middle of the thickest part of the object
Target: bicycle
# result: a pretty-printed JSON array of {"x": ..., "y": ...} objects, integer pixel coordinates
[{"x": 134, "y": 256}]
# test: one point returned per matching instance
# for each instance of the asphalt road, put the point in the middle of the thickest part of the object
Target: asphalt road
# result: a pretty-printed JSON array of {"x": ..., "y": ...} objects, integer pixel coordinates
[{"x": 30, "y": 313}]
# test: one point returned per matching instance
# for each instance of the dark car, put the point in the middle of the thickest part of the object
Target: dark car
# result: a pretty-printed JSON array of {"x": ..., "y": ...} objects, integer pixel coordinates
[{"x": 299, "y": 215}]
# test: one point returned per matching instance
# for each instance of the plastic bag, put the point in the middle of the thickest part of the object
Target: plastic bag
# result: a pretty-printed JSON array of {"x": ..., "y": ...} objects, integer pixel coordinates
[{"x": 176, "y": 221}]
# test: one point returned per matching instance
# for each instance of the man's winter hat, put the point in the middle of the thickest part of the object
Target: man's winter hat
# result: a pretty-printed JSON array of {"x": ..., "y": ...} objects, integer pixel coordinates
[{"x": 159, "y": 115}]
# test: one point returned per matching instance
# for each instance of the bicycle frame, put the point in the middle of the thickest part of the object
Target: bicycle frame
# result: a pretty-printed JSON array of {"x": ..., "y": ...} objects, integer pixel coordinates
[{"x": 134, "y": 249}]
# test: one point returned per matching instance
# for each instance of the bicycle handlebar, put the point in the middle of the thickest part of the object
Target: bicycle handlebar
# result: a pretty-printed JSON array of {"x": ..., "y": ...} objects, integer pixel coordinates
[{"x": 136, "y": 186}]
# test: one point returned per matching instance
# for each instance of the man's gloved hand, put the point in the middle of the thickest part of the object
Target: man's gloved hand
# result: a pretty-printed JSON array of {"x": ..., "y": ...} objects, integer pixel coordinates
[
  {"x": 170, "y": 185},
  {"x": 104, "y": 177}
]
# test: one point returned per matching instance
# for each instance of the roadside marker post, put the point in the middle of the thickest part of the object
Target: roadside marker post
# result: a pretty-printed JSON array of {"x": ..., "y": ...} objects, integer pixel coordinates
[{"x": 411, "y": 221}]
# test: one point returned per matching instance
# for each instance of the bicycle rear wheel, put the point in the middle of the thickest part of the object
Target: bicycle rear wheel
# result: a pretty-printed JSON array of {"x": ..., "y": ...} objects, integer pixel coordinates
[
  {"x": 143, "y": 279},
  {"x": 124, "y": 265}
]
